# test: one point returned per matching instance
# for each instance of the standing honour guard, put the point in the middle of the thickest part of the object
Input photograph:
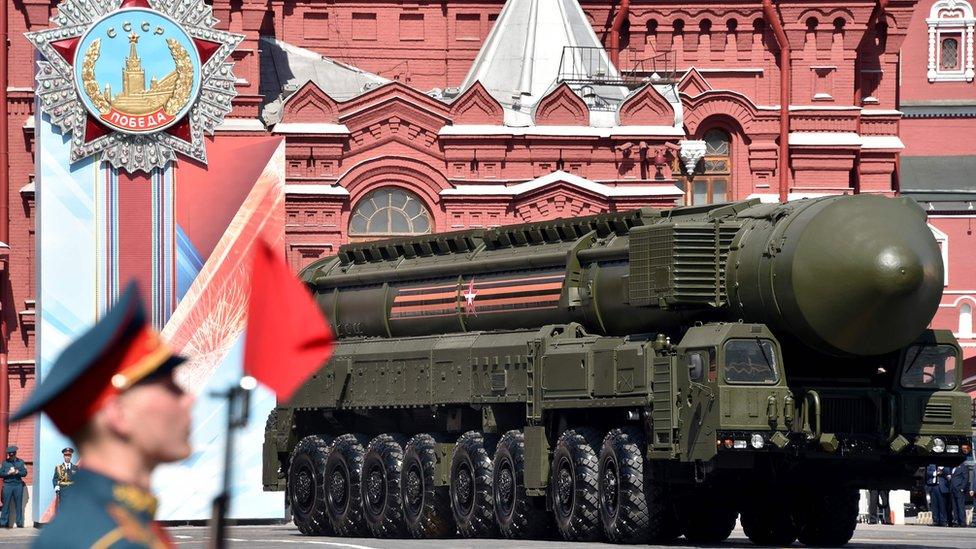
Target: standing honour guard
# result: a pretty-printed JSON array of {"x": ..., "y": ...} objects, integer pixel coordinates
[
  {"x": 63, "y": 475},
  {"x": 113, "y": 394}
]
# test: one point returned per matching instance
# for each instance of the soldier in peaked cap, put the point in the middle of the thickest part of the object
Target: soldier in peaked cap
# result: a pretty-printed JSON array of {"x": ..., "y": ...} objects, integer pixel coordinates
[
  {"x": 112, "y": 392},
  {"x": 13, "y": 470},
  {"x": 64, "y": 474}
]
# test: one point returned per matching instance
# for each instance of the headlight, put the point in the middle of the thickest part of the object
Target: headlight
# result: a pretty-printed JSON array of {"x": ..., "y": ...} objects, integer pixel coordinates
[
  {"x": 757, "y": 441},
  {"x": 938, "y": 445},
  {"x": 739, "y": 444},
  {"x": 952, "y": 449}
]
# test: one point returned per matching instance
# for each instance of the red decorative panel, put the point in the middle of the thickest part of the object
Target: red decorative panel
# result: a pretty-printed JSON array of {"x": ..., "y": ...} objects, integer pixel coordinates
[
  {"x": 648, "y": 108},
  {"x": 310, "y": 104},
  {"x": 562, "y": 107},
  {"x": 477, "y": 106}
]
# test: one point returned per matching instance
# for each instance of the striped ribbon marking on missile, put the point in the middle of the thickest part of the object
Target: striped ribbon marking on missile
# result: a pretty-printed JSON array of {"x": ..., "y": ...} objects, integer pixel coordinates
[{"x": 490, "y": 295}]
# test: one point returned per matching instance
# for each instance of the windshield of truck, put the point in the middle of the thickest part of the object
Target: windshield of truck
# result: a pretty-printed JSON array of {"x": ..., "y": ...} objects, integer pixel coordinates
[
  {"x": 750, "y": 361},
  {"x": 929, "y": 367}
]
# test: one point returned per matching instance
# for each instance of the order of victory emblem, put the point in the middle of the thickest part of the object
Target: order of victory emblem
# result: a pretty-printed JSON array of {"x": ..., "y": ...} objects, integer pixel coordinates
[{"x": 136, "y": 81}]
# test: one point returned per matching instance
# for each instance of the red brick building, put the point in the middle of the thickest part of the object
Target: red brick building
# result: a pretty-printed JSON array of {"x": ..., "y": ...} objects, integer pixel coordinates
[
  {"x": 937, "y": 98},
  {"x": 418, "y": 115}
]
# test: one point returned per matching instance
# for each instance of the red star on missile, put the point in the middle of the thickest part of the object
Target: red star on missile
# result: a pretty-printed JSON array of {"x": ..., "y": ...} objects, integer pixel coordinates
[{"x": 93, "y": 128}]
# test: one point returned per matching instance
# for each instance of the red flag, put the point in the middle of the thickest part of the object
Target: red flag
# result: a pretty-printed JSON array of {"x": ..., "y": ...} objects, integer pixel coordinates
[{"x": 288, "y": 339}]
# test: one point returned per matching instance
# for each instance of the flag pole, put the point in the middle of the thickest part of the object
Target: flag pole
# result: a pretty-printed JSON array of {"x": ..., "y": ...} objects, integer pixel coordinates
[{"x": 238, "y": 409}]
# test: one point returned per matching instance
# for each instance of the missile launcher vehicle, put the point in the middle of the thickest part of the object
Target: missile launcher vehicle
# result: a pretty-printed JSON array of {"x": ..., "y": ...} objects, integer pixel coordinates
[{"x": 632, "y": 376}]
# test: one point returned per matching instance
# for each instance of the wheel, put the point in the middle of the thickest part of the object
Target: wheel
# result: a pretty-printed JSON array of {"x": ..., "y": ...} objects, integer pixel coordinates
[
  {"x": 306, "y": 485},
  {"x": 767, "y": 520},
  {"x": 342, "y": 475},
  {"x": 624, "y": 508},
  {"x": 471, "y": 489},
  {"x": 381, "y": 487},
  {"x": 826, "y": 518},
  {"x": 707, "y": 517},
  {"x": 519, "y": 516},
  {"x": 573, "y": 485},
  {"x": 426, "y": 508},
  {"x": 664, "y": 525},
  {"x": 271, "y": 423}
]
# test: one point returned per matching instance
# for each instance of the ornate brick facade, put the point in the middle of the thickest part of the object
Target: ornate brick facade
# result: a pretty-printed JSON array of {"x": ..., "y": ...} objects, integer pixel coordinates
[{"x": 453, "y": 161}]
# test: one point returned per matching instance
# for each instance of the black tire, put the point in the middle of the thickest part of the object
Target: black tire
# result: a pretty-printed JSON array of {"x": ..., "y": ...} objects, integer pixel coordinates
[
  {"x": 426, "y": 507},
  {"x": 707, "y": 518},
  {"x": 768, "y": 520},
  {"x": 624, "y": 508},
  {"x": 472, "y": 501},
  {"x": 271, "y": 423},
  {"x": 519, "y": 516},
  {"x": 342, "y": 476},
  {"x": 306, "y": 485},
  {"x": 664, "y": 526},
  {"x": 573, "y": 486},
  {"x": 827, "y": 518},
  {"x": 380, "y": 486}
]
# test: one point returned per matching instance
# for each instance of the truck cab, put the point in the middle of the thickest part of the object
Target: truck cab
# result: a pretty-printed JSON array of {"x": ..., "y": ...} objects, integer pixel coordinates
[
  {"x": 932, "y": 408},
  {"x": 730, "y": 392}
]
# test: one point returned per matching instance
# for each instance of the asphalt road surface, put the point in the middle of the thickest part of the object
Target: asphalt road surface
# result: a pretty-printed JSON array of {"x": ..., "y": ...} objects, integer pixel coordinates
[{"x": 287, "y": 536}]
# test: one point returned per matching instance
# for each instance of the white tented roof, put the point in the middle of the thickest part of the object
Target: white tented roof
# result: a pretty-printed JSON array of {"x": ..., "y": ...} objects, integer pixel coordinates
[
  {"x": 285, "y": 68},
  {"x": 520, "y": 60}
]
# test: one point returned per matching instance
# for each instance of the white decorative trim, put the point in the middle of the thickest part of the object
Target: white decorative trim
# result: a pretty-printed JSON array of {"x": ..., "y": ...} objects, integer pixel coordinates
[
  {"x": 241, "y": 125},
  {"x": 821, "y": 107},
  {"x": 564, "y": 177},
  {"x": 721, "y": 70},
  {"x": 880, "y": 112},
  {"x": 312, "y": 128},
  {"x": 943, "y": 240},
  {"x": 881, "y": 142},
  {"x": 825, "y": 138},
  {"x": 956, "y": 17},
  {"x": 845, "y": 139},
  {"x": 773, "y": 198},
  {"x": 330, "y": 190},
  {"x": 692, "y": 150},
  {"x": 560, "y": 131},
  {"x": 971, "y": 298}
]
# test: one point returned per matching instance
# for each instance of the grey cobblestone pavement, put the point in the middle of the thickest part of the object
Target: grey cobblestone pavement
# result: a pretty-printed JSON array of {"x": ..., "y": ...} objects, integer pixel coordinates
[{"x": 287, "y": 536}]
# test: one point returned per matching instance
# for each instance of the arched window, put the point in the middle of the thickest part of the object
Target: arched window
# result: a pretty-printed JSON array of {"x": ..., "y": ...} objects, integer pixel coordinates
[
  {"x": 713, "y": 174},
  {"x": 389, "y": 211},
  {"x": 949, "y": 54},
  {"x": 951, "y": 41},
  {"x": 966, "y": 320}
]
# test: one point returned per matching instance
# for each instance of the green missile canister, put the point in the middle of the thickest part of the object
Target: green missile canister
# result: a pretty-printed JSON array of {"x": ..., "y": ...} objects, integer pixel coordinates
[{"x": 843, "y": 275}]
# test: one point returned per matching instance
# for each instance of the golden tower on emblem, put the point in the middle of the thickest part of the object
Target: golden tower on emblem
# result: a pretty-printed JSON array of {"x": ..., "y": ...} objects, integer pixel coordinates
[{"x": 169, "y": 93}]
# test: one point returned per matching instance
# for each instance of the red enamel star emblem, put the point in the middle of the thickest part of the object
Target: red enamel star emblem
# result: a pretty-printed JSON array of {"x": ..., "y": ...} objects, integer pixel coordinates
[{"x": 135, "y": 144}]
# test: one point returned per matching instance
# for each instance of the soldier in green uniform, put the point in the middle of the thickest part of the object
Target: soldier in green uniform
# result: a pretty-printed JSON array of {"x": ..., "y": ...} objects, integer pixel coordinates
[
  {"x": 113, "y": 393},
  {"x": 13, "y": 470},
  {"x": 63, "y": 475}
]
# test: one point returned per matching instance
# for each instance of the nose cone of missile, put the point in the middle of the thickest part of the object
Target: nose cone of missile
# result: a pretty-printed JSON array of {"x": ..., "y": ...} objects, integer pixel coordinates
[
  {"x": 867, "y": 274},
  {"x": 898, "y": 271}
]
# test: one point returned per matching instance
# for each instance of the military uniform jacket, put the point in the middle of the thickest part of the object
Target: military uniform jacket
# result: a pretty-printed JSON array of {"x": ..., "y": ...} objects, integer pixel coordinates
[
  {"x": 64, "y": 474},
  {"x": 103, "y": 514},
  {"x": 16, "y": 478}
]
